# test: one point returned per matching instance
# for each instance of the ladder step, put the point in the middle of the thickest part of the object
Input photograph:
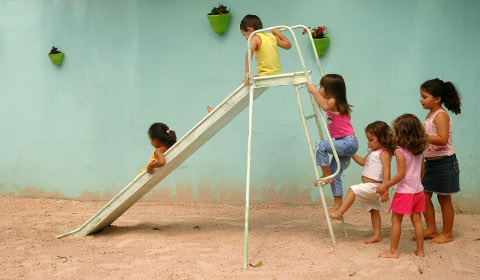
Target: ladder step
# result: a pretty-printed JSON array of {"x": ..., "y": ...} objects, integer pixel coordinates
[{"x": 310, "y": 116}]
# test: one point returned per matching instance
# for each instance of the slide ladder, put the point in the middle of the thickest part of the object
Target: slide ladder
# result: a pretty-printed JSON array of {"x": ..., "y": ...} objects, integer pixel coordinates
[{"x": 261, "y": 82}]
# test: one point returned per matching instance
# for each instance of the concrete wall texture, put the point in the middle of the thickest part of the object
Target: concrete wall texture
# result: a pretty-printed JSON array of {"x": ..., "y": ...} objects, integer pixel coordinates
[{"x": 79, "y": 130}]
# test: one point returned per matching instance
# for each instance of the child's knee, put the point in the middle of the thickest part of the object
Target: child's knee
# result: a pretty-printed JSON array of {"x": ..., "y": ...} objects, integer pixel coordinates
[
  {"x": 323, "y": 147},
  {"x": 416, "y": 217}
]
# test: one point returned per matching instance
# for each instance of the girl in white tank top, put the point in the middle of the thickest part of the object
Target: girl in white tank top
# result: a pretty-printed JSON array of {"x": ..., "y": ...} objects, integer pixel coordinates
[{"x": 376, "y": 169}]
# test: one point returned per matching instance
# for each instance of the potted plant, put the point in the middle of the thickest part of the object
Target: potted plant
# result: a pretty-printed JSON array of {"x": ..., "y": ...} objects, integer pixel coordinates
[
  {"x": 55, "y": 56},
  {"x": 218, "y": 18},
  {"x": 319, "y": 38}
]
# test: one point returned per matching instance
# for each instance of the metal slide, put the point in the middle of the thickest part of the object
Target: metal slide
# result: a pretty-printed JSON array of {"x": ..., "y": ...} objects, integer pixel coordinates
[{"x": 186, "y": 146}]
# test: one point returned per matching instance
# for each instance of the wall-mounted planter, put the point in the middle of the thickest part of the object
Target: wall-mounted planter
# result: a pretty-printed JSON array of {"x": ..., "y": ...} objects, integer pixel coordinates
[
  {"x": 219, "y": 22},
  {"x": 56, "y": 58},
  {"x": 321, "y": 45}
]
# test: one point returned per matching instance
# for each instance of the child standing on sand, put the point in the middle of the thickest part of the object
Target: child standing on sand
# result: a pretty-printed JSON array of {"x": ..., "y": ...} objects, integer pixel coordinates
[
  {"x": 409, "y": 198},
  {"x": 441, "y": 165},
  {"x": 376, "y": 169}
]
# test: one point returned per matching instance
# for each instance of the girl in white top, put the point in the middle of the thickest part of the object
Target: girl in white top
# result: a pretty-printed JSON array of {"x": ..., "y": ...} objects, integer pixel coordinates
[{"x": 376, "y": 169}]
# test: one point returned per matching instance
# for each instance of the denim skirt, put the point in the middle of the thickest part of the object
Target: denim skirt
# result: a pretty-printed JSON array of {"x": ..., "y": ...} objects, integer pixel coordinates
[{"x": 442, "y": 175}]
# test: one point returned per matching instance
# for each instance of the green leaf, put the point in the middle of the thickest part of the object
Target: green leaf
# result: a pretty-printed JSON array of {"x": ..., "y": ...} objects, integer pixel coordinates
[{"x": 259, "y": 264}]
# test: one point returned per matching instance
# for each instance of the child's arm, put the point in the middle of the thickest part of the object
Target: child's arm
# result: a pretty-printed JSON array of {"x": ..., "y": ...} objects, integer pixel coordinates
[
  {"x": 442, "y": 122},
  {"x": 254, "y": 43},
  {"x": 422, "y": 173},
  {"x": 397, "y": 178},
  {"x": 326, "y": 105},
  {"x": 360, "y": 161},
  {"x": 158, "y": 163},
  {"x": 282, "y": 41},
  {"x": 386, "y": 159}
]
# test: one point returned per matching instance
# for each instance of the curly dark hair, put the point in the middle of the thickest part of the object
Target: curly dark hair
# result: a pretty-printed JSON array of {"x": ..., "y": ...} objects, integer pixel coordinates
[
  {"x": 384, "y": 135},
  {"x": 446, "y": 91},
  {"x": 162, "y": 133},
  {"x": 410, "y": 134}
]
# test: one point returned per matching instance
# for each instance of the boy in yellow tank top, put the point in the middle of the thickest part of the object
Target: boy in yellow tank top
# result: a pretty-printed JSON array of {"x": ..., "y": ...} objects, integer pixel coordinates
[{"x": 264, "y": 46}]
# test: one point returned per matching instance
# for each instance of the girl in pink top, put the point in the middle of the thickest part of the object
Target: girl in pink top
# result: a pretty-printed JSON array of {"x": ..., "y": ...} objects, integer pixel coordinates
[
  {"x": 441, "y": 165},
  {"x": 332, "y": 98},
  {"x": 409, "y": 198}
]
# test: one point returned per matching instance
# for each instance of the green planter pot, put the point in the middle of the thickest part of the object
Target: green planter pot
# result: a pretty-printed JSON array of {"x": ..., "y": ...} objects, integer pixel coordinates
[
  {"x": 321, "y": 45},
  {"x": 56, "y": 58},
  {"x": 219, "y": 22}
]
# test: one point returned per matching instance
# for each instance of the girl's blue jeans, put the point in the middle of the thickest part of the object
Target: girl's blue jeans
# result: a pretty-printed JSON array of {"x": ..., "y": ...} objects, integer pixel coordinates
[{"x": 346, "y": 147}]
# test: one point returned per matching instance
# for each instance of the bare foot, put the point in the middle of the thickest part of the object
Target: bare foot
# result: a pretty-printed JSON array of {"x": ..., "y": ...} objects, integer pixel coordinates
[
  {"x": 329, "y": 181},
  {"x": 373, "y": 239},
  {"x": 209, "y": 109},
  {"x": 388, "y": 254},
  {"x": 335, "y": 215},
  {"x": 443, "y": 238},
  {"x": 429, "y": 235},
  {"x": 419, "y": 253},
  {"x": 323, "y": 183},
  {"x": 333, "y": 210}
]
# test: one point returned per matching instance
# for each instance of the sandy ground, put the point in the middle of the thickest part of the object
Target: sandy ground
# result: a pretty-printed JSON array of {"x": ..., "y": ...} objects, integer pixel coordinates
[{"x": 194, "y": 241}]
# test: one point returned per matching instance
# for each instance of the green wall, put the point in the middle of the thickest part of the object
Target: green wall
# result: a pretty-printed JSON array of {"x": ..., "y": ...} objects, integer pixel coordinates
[{"x": 79, "y": 130}]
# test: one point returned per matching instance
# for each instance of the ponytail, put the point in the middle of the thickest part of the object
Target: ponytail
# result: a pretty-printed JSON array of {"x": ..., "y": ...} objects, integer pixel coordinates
[
  {"x": 162, "y": 133},
  {"x": 452, "y": 99},
  {"x": 446, "y": 91},
  {"x": 171, "y": 138}
]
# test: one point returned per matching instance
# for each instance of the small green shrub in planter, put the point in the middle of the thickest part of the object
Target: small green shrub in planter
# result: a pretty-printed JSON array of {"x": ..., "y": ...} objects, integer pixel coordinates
[
  {"x": 319, "y": 38},
  {"x": 219, "y": 17},
  {"x": 55, "y": 56}
]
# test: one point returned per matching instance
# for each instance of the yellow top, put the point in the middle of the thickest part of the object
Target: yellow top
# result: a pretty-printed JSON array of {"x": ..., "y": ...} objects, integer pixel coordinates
[
  {"x": 266, "y": 55},
  {"x": 152, "y": 159}
]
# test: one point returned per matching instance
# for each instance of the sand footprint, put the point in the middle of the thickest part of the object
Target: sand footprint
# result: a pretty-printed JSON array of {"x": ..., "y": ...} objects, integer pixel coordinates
[
  {"x": 161, "y": 251},
  {"x": 125, "y": 242},
  {"x": 69, "y": 269},
  {"x": 225, "y": 218},
  {"x": 454, "y": 259},
  {"x": 235, "y": 224},
  {"x": 206, "y": 266}
]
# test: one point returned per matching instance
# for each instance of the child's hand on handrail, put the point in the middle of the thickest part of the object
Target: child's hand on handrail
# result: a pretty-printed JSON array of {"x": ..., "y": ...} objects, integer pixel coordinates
[
  {"x": 306, "y": 85},
  {"x": 311, "y": 88},
  {"x": 245, "y": 81}
]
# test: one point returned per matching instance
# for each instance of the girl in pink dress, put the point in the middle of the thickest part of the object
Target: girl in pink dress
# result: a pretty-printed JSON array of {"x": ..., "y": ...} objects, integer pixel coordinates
[{"x": 409, "y": 198}]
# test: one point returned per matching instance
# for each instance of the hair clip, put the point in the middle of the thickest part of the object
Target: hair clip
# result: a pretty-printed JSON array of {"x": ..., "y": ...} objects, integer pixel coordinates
[{"x": 168, "y": 131}]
